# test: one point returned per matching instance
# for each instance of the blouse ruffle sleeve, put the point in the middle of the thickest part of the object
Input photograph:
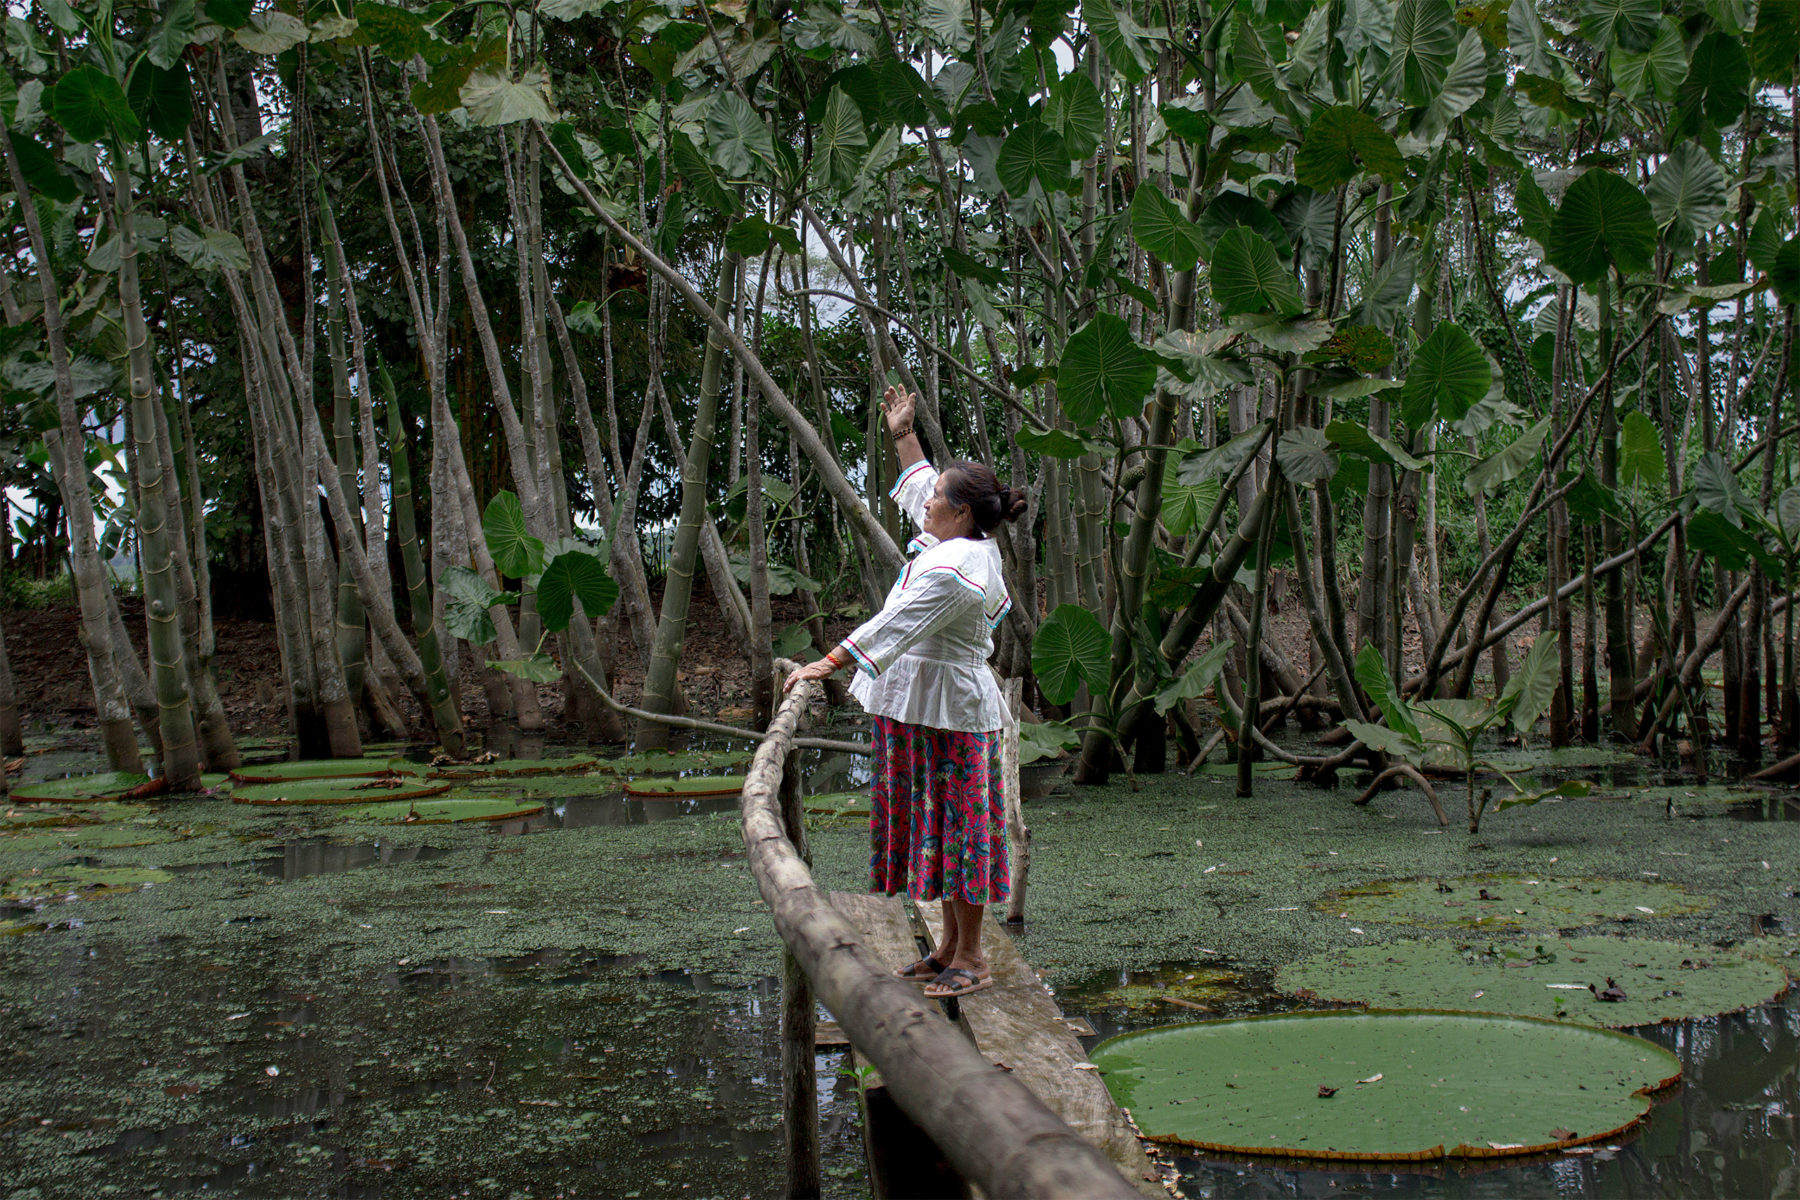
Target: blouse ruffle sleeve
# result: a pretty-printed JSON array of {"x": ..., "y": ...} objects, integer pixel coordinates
[
  {"x": 932, "y": 599},
  {"x": 913, "y": 489}
]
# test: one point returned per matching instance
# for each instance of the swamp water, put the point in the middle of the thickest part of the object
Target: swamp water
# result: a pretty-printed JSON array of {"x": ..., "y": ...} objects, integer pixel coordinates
[{"x": 580, "y": 1003}]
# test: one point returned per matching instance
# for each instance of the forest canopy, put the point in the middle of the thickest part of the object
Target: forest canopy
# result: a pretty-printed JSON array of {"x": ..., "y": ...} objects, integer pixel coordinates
[{"x": 475, "y": 333}]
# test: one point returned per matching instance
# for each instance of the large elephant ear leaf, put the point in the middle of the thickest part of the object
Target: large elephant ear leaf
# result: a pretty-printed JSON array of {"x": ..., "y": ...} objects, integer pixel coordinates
[
  {"x": 1604, "y": 221},
  {"x": 1305, "y": 456},
  {"x": 1342, "y": 141},
  {"x": 1160, "y": 227},
  {"x": 1449, "y": 376},
  {"x": 1247, "y": 276},
  {"x": 1423, "y": 44},
  {"x": 570, "y": 576},
  {"x": 1632, "y": 24},
  {"x": 1196, "y": 679},
  {"x": 1071, "y": 648},
  {"x": 1688, "y": 193},
  {"x": 516, "y": 553},
  {"x": 1528, "y": 692},
  {"x": 90, "y": 105},
  {"x": 467, "y": 599},
  {"x": 1104, "y": 371},
  {"x": 1641, "y": 459},
  {"x": 1372, "y": 674}
]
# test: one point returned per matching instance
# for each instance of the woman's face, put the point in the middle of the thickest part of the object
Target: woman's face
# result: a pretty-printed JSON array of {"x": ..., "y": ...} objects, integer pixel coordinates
[{"x": 944, "y": 520}]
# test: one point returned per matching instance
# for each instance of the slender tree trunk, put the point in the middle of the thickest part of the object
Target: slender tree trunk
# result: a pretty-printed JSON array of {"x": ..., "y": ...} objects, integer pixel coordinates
[
  {"x": 678, "y": 581},
  {"x": 66, "y": 446}
]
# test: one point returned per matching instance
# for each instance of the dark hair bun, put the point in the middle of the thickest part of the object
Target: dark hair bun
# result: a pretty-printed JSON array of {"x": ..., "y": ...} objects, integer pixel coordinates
[{"x": 1013, "y": 503}]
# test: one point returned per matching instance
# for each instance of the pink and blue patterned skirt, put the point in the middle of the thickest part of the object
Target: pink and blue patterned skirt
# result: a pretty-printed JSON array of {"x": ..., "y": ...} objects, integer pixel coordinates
[{"x": 937, "y": 819}]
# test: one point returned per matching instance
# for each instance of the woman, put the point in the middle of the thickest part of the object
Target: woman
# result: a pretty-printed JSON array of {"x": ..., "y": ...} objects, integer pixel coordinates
[{"x": 923, "y": 677}]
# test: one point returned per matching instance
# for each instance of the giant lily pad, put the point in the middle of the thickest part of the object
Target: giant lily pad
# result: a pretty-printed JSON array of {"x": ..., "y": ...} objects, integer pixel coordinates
[
  {"x": 662, "y": 762},
  {"x": 339, "y": 791},
  {"x": 326, "y": 768},
  {"x": 838, "y": 804},
  {"x": 107, "y": 785},
  {"x": 42, "y": 816},
  {"x": 72, "y": 883},
  {"x": 1644, "y": 982},
  {"x": 1384, "y": 1085},
  {"x": 443, "y": 812},
  {"x": 510, "y": 767},
  {"x": 688, "y": 787},
  {"x": 1511, "y": 901}
]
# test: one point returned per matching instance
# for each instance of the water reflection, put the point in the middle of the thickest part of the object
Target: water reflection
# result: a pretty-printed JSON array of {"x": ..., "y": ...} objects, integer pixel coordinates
[{"x": 322, "y": 856}]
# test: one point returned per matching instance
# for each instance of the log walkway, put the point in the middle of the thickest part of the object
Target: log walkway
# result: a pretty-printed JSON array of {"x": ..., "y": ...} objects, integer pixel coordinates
[
  {"x": 1001, "y": 1137},
  {"x": 1015, "y": 1025}
]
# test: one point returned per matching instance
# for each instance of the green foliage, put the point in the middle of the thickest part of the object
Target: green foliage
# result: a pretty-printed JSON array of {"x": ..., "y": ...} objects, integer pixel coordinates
[
  {"x": 516, "y": 552},
  {"x": 1247, "y": 276},
  {"x": 1448, "y": 377},
  {"x": 1603, "y": 222},
  {"x": 1103, "y": 372},
  {"x": 1071, "y": 648},
  {"x": 1160, "y": 227},
  {"x": 570, "y": 576}
]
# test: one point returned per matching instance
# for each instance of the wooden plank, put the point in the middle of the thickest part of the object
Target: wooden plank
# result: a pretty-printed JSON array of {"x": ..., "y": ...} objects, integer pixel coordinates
[
  {"x": 1016, "y": 1023},
  {"x": 903, "y": 1160}
]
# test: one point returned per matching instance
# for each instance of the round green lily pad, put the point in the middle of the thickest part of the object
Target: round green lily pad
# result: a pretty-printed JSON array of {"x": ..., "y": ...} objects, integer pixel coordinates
[
  {"x": 663, "y": 762},
  {"x": 687, "y": 787},
  {"x": 1396, "y": 1086},
  {"x": 1511, "y": 901},
  {"x": 1605, "y": 981},
  {"x": 107, "y": 785},
  {"x": 506, "y": 767},
  {"x": 443, "y": 812},
  {"x": 337, "y": 791},
  {"x": 47, "y": 815},
  {"x": 839, "y": 804},
  {"x": 81, "y": 883},
  {"x": 325, "y": 768}
]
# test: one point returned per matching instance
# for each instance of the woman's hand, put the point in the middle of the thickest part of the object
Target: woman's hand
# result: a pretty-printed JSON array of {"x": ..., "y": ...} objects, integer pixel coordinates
[
  {"x": 897, "y": 405},
  {"x": 813, "y": 670}
]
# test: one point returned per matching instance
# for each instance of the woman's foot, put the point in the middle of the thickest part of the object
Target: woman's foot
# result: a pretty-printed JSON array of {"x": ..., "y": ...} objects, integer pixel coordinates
[
  {"x": 923, "y": 971},
  {"x": 957, "y": 982}
]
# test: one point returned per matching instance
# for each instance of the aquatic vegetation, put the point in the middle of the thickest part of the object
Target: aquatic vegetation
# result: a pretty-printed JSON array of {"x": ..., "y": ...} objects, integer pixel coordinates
[
  {"x": 1511, "y": 901},
  {"x": 340, "y": 790},
  {"x": 440, "y": 811},
  {"x": 1171, "y": 989},
  {"x": 665, "y": 762},
  {"x": 326, "y": 768},
  {"x": 104, "y": 785},
  {"x": 685, "y": 787},
  {"x": 1384, "y": 1085},
  {"x": 839, "y": 804},
  {"x": 516, "y": 767},
  {"x": 45, "y": 885},
  {"x": 1609, "y": 981}
]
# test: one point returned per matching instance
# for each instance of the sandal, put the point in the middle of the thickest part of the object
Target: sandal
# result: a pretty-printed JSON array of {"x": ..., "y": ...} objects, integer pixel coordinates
[
  {"x": 912, "y": 974},
  {"x": 956, "y": 982}
]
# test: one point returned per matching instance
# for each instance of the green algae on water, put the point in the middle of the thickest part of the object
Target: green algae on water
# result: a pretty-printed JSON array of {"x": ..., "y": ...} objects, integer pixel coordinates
[
  {"x": 1507, "y": 901},
  {"x": 1609, "y": 981}
]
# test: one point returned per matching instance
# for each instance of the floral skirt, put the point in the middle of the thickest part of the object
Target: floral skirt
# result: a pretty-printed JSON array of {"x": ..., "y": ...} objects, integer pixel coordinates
[{"x": 937, "y": 815}]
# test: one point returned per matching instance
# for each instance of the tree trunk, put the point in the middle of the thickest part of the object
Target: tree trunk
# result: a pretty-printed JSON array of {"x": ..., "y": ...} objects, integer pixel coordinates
[{"x": 671, "y": 630}]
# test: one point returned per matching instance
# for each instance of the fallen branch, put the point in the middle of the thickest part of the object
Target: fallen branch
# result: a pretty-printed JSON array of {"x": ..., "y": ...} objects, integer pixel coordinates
[
  {"x": 704, "y": 726},
  {"x": 1406, "y": 771}
]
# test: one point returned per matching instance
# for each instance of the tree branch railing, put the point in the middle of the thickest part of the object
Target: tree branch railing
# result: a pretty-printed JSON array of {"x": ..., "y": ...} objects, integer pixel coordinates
[{"x": 990, "y": 1127}]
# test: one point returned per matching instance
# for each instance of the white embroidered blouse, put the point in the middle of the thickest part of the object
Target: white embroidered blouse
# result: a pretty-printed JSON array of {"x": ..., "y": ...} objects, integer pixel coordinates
[{"x": 923, "y": 658}]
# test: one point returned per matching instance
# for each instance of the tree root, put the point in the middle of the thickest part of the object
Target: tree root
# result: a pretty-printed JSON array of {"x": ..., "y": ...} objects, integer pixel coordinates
[
  {"x": 1406, "y": 771},
  {"x": 703, "y": 726}
]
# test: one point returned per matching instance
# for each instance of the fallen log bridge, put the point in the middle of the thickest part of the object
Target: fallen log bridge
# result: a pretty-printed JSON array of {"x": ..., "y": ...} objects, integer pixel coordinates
[{"x": 999, "y": 1136}]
